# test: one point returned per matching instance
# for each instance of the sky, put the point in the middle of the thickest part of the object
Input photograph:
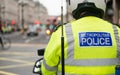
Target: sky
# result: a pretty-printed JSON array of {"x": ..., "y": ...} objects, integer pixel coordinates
[{"x": 54, "y": 6}]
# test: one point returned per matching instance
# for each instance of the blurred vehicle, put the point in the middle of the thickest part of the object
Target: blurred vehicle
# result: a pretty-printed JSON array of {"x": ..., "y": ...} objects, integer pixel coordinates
[
  {"x": 48, "y": 31},
  {"x": 33, "y": 30},
  {"x": 51, "y": 23}
]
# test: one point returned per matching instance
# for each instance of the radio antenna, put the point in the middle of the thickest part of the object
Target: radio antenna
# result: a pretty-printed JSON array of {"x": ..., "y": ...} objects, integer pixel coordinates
[{"x": 62, "y": 41}]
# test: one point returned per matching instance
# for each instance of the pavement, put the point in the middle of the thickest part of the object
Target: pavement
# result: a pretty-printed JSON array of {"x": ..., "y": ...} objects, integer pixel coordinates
[
  {"x": 20, "y": 58},
  {"x": 17, "y": 37}
]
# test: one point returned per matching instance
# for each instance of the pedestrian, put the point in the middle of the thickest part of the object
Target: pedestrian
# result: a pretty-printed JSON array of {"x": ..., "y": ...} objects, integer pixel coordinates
[
  {"x": 1, "y": 42},
  {"x": 92, "y": 45},
  {"x": 1, "y": 34}
]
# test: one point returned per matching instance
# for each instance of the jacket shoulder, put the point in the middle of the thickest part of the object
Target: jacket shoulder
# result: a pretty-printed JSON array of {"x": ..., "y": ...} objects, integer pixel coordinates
[
  {"x": 113, "y": 23},
  {"x": 58, "y": 26},
  {"x": 116, "y": 25}
]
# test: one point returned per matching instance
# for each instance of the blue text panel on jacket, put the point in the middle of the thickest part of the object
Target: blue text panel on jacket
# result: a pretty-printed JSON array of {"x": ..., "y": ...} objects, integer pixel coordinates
[{"x": 95, "y": 39}]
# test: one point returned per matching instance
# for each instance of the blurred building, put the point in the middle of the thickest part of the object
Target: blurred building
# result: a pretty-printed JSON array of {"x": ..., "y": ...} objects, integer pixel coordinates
[
  {"x": 8, "y": 11},
  {"x": 21, "y": 12},
  {"x": 69, "y": 16},
  {"x": 41, "y": 12},
  {"x": 112, "y": 11},
  {"x": 116, "y": 9}
]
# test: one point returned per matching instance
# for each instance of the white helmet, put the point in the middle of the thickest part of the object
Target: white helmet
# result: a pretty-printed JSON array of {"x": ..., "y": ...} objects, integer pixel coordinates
[{"x": 99, "y": 5}]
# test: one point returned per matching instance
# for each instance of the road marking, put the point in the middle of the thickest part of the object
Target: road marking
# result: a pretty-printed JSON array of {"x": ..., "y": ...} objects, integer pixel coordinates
[
  {"x": 16, "y": 66},
  {"x": 27, "y": 41},
  {"x": 24, "y": 37},
  {"x": 6, "y": 73},
  {"x": 18, "y": 53},
  {"x": 31, "y": 39},
  {"x": 30, "y": 45},
  {"x": 15, "y": 60},
  {"x": 24, "y": 63}
]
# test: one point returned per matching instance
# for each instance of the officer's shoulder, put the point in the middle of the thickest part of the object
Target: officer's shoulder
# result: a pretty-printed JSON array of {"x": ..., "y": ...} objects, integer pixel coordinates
[
  {"x": 116, "y": 25},
  {"x": 59, "y": 25}
]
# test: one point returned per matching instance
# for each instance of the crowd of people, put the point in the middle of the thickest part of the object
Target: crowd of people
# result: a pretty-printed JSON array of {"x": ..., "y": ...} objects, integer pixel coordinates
[{"x": 32, "y": 28}]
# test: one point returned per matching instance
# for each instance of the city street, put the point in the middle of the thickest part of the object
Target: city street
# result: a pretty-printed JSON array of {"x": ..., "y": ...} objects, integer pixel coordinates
[
  {"x": 89, "y": 30},
  {"x": 20, "y": 58}
]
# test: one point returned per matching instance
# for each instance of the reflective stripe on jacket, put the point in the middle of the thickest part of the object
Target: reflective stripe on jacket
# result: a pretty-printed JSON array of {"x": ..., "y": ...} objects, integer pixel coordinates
[{"x": 91, "y": 48}]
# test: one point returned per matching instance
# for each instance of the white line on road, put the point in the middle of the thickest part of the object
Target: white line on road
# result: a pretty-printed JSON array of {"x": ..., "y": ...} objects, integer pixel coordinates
[
  {"x": 14, "y": 66},
  {"x": 30, "y": 45},
  {"x": 15, "y": 60},
  {"x": 31, "y": 39},
  {"x": 6, "y": 73}
]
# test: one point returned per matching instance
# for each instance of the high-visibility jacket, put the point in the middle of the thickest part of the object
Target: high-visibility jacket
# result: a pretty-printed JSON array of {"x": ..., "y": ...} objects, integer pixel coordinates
[{"x": 92, "y": 47}]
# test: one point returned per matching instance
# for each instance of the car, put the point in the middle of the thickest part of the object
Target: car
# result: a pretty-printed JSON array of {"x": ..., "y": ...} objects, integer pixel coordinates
[{"x": 33, "y": 30}]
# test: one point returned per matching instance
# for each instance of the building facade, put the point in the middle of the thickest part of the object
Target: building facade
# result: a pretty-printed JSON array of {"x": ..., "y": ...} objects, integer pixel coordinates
[
  {"x": 40, "y": 12},
  {"x": 21, "y": 12},
  {"x": 8, "y": 11}
]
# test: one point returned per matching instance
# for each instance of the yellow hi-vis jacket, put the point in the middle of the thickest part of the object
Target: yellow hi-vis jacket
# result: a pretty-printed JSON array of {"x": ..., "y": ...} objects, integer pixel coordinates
[{"x": 92, "y": 47}]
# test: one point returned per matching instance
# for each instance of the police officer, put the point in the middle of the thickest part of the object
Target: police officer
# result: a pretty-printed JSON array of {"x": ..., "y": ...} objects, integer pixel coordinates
[{"x": 92, "y": 45}]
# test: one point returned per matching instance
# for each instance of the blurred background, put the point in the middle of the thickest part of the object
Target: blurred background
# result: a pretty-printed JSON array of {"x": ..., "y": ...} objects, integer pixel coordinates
[{"x": 28, "y": 24}]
